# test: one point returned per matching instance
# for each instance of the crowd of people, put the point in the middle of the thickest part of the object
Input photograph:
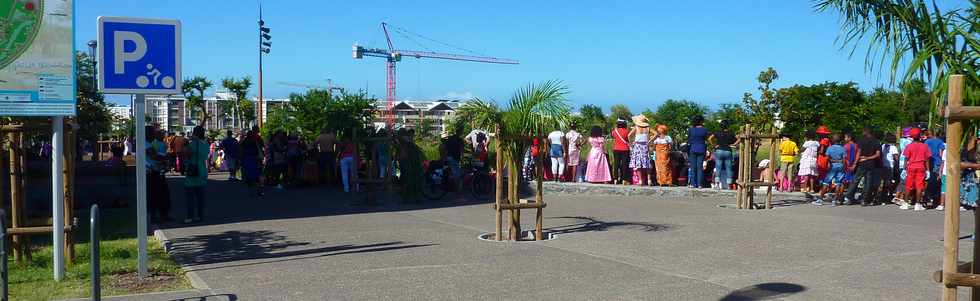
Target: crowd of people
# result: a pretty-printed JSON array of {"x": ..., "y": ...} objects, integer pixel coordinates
[
  {"x": 843, "y": 168},
  {"x": 837, "y": 168}
]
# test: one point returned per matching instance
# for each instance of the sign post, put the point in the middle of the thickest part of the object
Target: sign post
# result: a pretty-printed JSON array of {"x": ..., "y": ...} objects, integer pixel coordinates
[
  {"x": 139, "y": 56},
  {"x": 37, "y": 78}
]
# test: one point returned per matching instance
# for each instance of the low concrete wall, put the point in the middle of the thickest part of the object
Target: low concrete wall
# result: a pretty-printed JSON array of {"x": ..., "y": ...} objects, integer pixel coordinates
[{"x": 656, "y": 191}]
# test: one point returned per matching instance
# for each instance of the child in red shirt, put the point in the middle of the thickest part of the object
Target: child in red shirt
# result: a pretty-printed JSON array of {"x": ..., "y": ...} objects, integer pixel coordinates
[{"x": 916, "y": 160}]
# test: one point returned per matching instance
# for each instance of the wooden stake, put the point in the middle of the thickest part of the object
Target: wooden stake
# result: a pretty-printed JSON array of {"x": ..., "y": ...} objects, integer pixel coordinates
[
  {"x": 69, "y": 184},
  {"x": 539, "y": 195},
  {"x": 954, "y": 132},
  {"x": 16, "y": 190},
  {"x": 499, "y": 184}
]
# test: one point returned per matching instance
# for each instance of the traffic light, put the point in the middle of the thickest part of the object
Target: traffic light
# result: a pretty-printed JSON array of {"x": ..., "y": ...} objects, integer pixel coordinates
[{"x": 265, "y": 44}]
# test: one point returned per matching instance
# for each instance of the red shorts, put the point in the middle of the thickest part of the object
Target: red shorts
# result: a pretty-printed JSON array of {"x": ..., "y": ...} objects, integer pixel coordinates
[{"x": 915, "y": 179}]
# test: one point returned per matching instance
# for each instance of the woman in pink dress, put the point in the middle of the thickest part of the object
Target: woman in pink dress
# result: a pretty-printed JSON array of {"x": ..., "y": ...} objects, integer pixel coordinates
[{"x": 598, "y": 169}]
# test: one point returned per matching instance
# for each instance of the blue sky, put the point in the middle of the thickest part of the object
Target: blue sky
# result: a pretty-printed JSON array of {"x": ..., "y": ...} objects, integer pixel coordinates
[{"x": 639, "y": 53}]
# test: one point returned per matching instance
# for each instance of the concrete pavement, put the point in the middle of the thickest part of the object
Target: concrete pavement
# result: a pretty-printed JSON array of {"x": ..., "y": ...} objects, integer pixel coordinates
[{"x": 310, "y": 244}]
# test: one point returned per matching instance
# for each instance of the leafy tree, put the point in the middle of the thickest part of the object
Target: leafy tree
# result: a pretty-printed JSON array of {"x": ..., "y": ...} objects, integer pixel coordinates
[
  {"x": 197, "y": 84},
  {"x": 734, "y": 113},
  {"x": 317, "y": 109},
  {"x": 838, "y": 106},
  {"x": 762, "y": 112},
  {"x": 240, "y": 107},
  {"x": 677, "y": 114},
  {"x": 591, "y": 115},
  {"x": 914, "y": 40},
  {"x": 94, "y": 118},
  {"x": 619, "y": 111},
  {"x": 530, "y": 111}
]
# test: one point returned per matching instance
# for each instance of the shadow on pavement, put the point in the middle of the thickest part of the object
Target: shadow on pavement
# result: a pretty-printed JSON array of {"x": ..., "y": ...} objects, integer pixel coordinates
[
  {"x": 590, "y": 224},
  {"x": 230, "y": 246},
  {"x": 216, "y": 297},
  {"x": 764, "y": 291},
  {"x": 232, "y": 202}
]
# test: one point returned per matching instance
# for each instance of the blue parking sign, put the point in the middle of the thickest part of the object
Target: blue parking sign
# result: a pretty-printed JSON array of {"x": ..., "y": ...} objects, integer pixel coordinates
[{"x": 139, "y": 56}]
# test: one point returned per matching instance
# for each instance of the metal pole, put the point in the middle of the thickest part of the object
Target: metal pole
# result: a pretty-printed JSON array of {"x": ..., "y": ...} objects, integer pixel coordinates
[
  {"x": 3, "y": 255},
  {"x": 58, "y": 197},
  {"x": 140, "y": 108},
  {"x": 96, "y": 261}
]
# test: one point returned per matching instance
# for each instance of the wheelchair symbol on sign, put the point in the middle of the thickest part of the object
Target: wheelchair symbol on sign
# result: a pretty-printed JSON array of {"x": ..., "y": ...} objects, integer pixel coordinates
[{"x": 143, "y": 81}]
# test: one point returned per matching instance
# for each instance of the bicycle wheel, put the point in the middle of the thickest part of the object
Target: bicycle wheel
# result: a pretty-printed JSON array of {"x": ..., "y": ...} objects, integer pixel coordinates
[
  {"x": 482, "y": 186},
  {"x": 433, "y": 188}
]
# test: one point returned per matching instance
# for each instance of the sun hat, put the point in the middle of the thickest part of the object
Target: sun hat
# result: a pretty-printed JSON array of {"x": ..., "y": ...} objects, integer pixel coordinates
[
  {"x": 822, "y": 130},
  {"x": 907, "y": 132},
  {"x": 641, "y": 121}
]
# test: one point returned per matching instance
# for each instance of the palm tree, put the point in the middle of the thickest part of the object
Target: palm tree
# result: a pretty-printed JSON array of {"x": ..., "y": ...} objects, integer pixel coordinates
[
  {"x": 530, "y": 112},
  {"x": 915, "y": 39}
]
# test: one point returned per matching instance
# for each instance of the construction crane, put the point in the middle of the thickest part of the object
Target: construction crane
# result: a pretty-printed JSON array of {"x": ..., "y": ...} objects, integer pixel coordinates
[
  {"x": 329, "y": 86},
  {"x": 393, "y": 56}
]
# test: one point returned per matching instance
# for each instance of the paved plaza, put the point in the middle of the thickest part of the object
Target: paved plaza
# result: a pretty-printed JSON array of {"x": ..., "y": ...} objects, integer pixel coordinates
[{"x": 310, "y": 244}]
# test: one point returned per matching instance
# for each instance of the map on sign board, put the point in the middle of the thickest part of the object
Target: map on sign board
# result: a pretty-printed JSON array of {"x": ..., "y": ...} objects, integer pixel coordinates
[{"x": 37, "y": 58}]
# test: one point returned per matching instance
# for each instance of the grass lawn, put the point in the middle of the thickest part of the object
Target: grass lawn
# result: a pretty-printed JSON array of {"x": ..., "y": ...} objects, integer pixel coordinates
[{"x": 34, "y": 280}]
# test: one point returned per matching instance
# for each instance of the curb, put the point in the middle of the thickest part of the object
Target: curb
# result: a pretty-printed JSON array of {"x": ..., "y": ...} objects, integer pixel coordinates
[{"x": 196, "y": 281}]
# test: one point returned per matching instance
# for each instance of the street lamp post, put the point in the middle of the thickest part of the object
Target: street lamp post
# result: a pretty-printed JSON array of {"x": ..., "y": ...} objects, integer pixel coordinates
[
  {"x": 265, "y": 46},
  {"x": 91, "y": 55}
]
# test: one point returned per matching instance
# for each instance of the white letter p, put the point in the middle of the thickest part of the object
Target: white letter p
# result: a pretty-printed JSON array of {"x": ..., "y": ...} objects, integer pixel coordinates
[{"x": 120, "y": 56}]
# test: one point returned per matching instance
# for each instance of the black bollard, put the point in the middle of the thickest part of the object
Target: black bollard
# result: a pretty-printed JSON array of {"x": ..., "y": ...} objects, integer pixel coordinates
[
  {"x": 3, "y": 254},
  {"x": 94, "y": 243}
]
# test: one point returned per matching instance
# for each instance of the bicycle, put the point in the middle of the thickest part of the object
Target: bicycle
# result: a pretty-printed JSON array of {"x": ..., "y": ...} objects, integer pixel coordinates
[{"x": 439, "y": 180}]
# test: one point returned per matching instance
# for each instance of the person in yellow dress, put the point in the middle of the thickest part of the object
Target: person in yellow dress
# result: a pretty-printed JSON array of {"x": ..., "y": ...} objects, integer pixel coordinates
[{"x": 787, "y": 156}]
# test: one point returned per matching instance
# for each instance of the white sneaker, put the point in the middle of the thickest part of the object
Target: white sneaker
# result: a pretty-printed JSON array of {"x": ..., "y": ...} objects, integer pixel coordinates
[
  {"x": 904, "y": 207},
  {"x": 918, "y": 207},
  {"x": 940, "y": 208}
]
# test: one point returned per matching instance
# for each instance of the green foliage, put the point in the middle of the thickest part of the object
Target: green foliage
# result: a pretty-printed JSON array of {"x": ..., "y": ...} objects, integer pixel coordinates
[
  {"x": 734, "y": 113},
  {"x": 530, "y": 111},
  {"x": 838, "y": 106},
  {"x": 239, "y": 107},
  {"x": 914, "y": 40},
  {"x": 93, "y": 117},
  {"x": 196, "y": 101},
  {"x": 762, "y": 111},
  {"x": 591, "y": 115},
  {"x": 619, "y": 111},
  {"x": 677, "y": 114},
  {"x": 315, "y": 110}
]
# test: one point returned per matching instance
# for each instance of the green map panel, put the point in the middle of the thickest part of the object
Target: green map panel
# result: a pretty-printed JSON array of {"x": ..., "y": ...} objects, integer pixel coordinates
[{"x": 20, "y": 21}]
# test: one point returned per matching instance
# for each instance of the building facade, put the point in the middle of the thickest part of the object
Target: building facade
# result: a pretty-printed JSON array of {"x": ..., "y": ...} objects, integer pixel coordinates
[
  {"x": 171, "y": 112},
  {"x": 415, "y": 113}
]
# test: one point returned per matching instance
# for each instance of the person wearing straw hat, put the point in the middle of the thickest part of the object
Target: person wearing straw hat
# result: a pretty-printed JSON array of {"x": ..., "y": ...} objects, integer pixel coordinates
[{"x": 639, "y": 150}]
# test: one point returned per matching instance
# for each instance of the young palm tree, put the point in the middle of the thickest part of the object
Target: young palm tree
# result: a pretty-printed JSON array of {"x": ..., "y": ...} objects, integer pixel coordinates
[
  {"x": 917, "y": 40},
  {"x": 530, "y": 112}
]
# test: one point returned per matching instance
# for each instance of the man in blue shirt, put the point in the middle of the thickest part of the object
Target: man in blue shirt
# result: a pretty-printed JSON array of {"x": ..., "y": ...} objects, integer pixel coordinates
[
  {"x": 232, "y": 154},
  {"x": 835, "y": 175},
  {"x": 937, "y": 145}
]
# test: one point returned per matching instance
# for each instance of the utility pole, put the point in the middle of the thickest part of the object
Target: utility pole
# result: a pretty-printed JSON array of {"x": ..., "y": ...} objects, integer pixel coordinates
[{"x": 265, "y": 46}]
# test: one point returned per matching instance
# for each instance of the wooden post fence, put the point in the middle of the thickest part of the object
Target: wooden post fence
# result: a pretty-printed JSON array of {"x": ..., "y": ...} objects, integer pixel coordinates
[{"x": 952, "y": 276}]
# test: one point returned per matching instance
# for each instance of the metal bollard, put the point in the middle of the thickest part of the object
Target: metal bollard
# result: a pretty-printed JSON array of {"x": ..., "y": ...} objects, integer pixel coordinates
[
  {"x": 94, "y": 242},
  {"x": 3, "y": 254}
]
